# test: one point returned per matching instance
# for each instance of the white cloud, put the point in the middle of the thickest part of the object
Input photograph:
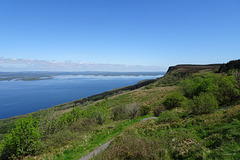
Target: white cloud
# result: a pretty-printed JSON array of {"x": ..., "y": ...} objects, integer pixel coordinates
[{"x": 14, "y": 64}]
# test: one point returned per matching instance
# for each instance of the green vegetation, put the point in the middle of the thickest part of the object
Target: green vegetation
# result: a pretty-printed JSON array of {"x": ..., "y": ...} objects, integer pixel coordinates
[
  {"x": 173, "y": 100},
  {"x": 208, "y": 136},
  {"x": 202, "y": 104},
  {"x": 192, "y": 127},
  {"x": 144, "y": 110},
  {"x": 168, "y": 116},
  {"x": 198, "y": 118},
  {"x": 24, "y": 139},
  {"x": 232, "y": 65}
]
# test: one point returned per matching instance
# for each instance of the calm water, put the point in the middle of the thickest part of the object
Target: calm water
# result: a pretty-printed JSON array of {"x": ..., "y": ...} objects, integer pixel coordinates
[{"x": 21, "y": 97}]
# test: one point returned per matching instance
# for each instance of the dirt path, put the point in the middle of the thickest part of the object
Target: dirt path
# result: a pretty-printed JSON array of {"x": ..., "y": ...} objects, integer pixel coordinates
[{"x": 104, "y": 146}]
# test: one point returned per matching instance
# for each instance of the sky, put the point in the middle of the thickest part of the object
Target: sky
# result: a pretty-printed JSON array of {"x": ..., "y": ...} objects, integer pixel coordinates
[{"x": 117, "y": 35}]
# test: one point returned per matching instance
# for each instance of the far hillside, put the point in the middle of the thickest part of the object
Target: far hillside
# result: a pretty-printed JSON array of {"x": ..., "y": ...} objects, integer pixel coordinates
[{"x": 232, "y": 65}]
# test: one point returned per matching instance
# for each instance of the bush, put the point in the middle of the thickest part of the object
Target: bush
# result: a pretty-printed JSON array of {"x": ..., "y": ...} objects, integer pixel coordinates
[
  {"x": 82, "y": 125},
  {"x": 66, "y": 119},
  {"x": 126, "y": 111},
  {"x": 228, "y": 90},
  {"x": 49, "y": 122},
  {"x": 133, "y": 110},
  {"x": 144, "y": 110},
  {"x": 168, "y": 116},
  {"x": 193, "y": 87},
  {"x": 22, "y": 140},
  {"x": 157, "y": 110},
  {"x": 119, "y": 113},
  {"x": 204, "y": 103},
  {"x": 188, "y": 87},
  {"x": 98, "y": 113},
  {"x": 173, "y": 100}
]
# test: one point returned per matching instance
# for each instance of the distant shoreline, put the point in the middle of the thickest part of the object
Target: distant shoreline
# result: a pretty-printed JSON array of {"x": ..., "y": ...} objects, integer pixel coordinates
[{"x": 35, "y": 76}]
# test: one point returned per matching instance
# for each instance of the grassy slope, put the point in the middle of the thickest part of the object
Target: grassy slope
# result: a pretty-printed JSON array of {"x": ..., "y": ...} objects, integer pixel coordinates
[
  {"x": 80, "y": 143},
  {"x": 209, "y": 136}
]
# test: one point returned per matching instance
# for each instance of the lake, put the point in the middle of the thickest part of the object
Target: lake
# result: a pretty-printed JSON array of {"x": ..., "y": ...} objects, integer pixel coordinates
[{"x": 21, "y": 97}]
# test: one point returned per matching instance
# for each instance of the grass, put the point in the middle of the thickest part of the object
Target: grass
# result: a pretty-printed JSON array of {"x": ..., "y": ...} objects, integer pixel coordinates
[
  {"x": 207, "y": 136},
  {"x": 94, "y": 140}
]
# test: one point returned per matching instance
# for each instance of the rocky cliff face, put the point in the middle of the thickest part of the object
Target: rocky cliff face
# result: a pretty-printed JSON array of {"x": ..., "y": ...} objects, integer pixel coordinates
[{"x": 192, "y": 68}]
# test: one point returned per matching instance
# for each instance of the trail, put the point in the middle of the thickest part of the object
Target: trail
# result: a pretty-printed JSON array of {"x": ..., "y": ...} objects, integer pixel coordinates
[{"x": 104, "y": 146}]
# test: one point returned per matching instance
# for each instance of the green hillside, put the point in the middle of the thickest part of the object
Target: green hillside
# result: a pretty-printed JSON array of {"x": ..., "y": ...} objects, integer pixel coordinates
[{"x": 198, "y": 110}]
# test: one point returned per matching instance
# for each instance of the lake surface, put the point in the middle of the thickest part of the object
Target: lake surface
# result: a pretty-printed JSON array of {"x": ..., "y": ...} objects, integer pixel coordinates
[{"x": 21, "y": 97}]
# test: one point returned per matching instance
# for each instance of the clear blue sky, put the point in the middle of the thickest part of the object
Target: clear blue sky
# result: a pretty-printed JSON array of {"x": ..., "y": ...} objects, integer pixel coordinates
[{"x": 143, "y": 33}]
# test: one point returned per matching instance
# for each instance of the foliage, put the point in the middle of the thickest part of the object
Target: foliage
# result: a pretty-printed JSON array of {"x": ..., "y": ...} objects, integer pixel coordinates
[
  {"x": 183, "y": 144},
  {"x": 130, "y": 147},
  {"x": 133, "y": 110},
  {"x": 193, "y": 87},
  {"x": 209, "y": 136},
  {"x": 168, "y": 116},
  {"x": 99, "y": 114},
  {"x": 49, "y": 122},
  {"x": 126, "y": 111},
  {"x": 228, "y": 90},
  {"x": 202, "y": 104},
  {"x": 173, "y": 100},
  {"x": 119, "y": 113},
  {"x": 157, "y": 110},
  {"x": 235, "y": 64},
  {"x": 224, "y": 88},
  {"x": 144, "y": 110},
  {"x": 95, "y": 138},
  {"x": 22, "y": 140}
]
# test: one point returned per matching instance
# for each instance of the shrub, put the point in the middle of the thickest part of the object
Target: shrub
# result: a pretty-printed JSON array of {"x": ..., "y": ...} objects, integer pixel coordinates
[
  {"x": 22, "y": 140},
  {"x": 157, "y": 110},
  {"x": 98, "y": 113},
  {"x": 60, "y": 138},
  {"x": 81, "y": 125},
  {"x": 173, "y": 100},
  {"x": 193, "y": 87},
  {"x": 228, "y": 90},
  {"x": 133, "y": 110},
  {"x": 144, "y": 110},
  {"x": 66, "y": 119},
  {"x": 49, "y": 122},
  {"x": 168, "y": 116},
  {"x": 188, "y": 87},
  {"x": 204, "y": 103},
  {"x": 119, "y": 113},
  {"x": 126, "y": 111}
]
